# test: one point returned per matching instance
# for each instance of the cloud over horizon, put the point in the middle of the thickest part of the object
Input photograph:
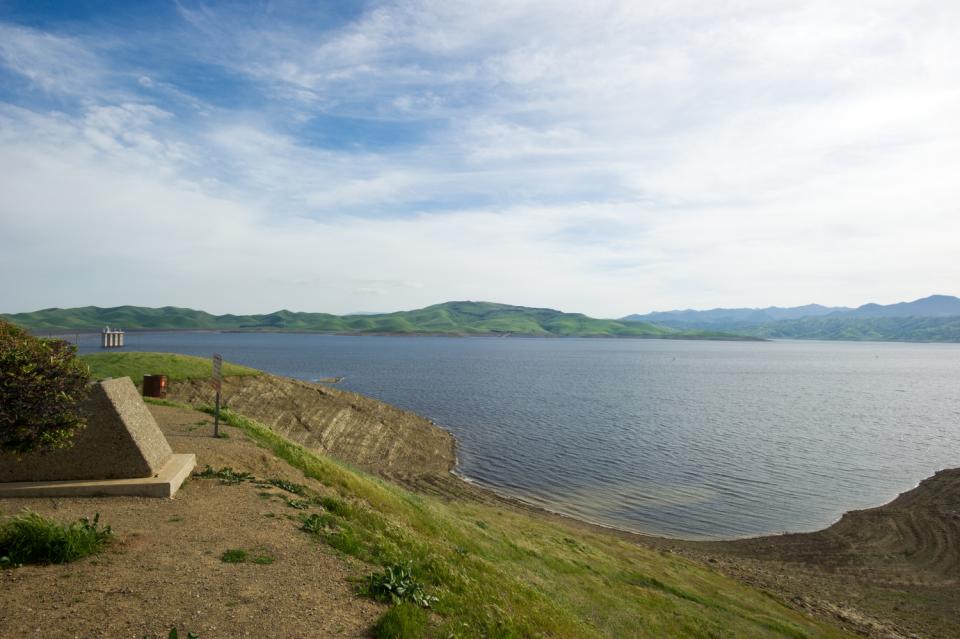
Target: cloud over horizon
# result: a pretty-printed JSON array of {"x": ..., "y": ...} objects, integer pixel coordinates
[{"x": 608, "y": 159}]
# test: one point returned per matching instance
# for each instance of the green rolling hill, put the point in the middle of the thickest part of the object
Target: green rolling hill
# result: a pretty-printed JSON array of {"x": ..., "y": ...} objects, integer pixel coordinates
[
  {"x": 450, "y": 318},
  {"x": 935, "y": 318},
  {"x": 876, "y": 329}
]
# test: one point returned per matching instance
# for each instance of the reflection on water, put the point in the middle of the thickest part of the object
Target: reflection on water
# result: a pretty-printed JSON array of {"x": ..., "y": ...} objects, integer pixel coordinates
[{"x": 693, "y": 439}]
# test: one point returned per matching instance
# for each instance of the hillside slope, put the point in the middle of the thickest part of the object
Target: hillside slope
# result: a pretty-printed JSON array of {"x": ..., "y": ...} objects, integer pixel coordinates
[
  {"x": 879, "y": 329},
  {"x": 450, "y": 318},
  {"x": 930, "y": 319}
]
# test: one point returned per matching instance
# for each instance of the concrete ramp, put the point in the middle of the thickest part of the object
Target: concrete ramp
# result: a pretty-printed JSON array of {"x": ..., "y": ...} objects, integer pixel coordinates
[{"x": 121, "y": 442}]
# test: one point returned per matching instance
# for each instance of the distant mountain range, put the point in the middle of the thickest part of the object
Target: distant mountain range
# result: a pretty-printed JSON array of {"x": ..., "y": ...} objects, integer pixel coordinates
[
  {"x": 734, "y": 316},
  {"x": 929, "y": 319},
  {"x": 450, "y": 318}
]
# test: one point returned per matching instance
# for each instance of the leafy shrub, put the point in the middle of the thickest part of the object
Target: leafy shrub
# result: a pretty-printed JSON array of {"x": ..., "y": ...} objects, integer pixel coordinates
[
  {"x": 403, "y": 621},
  {"x": 397, "y": 584},
  {"x": 30, "y": 538},
  {"x": 41, "y": 386}
]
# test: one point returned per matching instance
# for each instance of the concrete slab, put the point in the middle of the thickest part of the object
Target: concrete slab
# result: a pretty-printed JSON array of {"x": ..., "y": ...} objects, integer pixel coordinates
[{"x": 164, "y": 484}]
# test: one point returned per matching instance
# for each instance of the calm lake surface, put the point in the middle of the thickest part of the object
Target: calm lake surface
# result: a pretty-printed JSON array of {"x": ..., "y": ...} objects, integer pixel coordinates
[{"x": 681, "y": 438}]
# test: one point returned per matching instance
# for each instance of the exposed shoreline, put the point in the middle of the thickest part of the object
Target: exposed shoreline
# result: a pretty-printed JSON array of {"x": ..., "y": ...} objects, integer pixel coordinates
[{"x": 887, "y": 572}]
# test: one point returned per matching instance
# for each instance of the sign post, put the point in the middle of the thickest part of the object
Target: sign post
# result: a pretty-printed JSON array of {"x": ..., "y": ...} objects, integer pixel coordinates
[{"x": 217, "y": 364}]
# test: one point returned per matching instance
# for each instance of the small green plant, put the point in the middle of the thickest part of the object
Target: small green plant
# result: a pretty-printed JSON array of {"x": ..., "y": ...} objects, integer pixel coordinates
[
  {"x": 289, "y": 486},
  {"x": 298, "y": 504},
  {"x": 234, "y": 556},
  {"x": 397, "y": 584},
  {"x": 316, "y": 523},
  {"x": 30, "y": 538},
  {"x": 176, "y": 635},
  {"x": 225, "y": 475},
  {"x": 263, "y": 559},
  {"x": 403, "y": 621}
]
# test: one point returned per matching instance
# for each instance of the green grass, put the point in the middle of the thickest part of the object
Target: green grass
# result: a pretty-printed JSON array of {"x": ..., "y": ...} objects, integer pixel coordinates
[
  {"x": 30, "y": 538},
  {"x": 156, "y": 401},
  {"x": 403, "y": 621},
  {"x": 518, "y": 575},
  {"x": 175, "y": 367}
]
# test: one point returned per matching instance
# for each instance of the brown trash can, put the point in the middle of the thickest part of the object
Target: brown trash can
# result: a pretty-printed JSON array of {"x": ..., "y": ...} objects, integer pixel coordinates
[{"x": 155, "y": 386}]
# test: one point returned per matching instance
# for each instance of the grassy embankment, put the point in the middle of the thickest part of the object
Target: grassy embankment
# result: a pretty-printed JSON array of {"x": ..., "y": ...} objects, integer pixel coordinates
[
  {"x": 175, "y": 367},
  {"x": 500, "y": 572}
]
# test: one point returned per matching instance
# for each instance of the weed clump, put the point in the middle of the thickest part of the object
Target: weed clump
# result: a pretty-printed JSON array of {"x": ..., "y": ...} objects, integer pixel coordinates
[
  {"x": 298, "y": 504},
  {"x": 317, "y": 524},
  {"x": 225, "y": 475},
  {"x": 289, "y": 486},
  {"x": 397, "y": 584},
  {"x": 234, "y": 556},
  {"x": 31, "y": 538}
]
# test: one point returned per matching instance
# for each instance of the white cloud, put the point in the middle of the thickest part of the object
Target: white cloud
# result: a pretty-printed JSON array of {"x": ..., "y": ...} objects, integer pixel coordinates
[
  {"x": 606, "y": 157},
  {"x": 51, "y": 63}
]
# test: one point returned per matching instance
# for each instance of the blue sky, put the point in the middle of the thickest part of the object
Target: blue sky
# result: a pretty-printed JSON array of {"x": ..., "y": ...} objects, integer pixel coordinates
[{"x": 607, "y": 157}]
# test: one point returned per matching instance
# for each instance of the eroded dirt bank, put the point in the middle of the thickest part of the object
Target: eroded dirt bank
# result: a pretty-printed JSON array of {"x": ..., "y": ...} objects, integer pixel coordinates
[{"x": 370, "y": 434}]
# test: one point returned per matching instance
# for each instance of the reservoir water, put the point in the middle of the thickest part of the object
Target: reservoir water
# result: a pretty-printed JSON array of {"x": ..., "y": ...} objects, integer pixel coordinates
[{"x": 691, "y": 439}]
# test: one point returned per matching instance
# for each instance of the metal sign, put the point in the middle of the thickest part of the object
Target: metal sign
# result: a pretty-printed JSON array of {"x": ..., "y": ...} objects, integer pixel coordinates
[{"x": 217, "y": 366}]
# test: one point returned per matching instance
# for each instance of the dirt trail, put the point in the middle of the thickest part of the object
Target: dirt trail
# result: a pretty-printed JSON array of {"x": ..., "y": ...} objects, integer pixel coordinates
[{"x": 164, "y": 568}]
